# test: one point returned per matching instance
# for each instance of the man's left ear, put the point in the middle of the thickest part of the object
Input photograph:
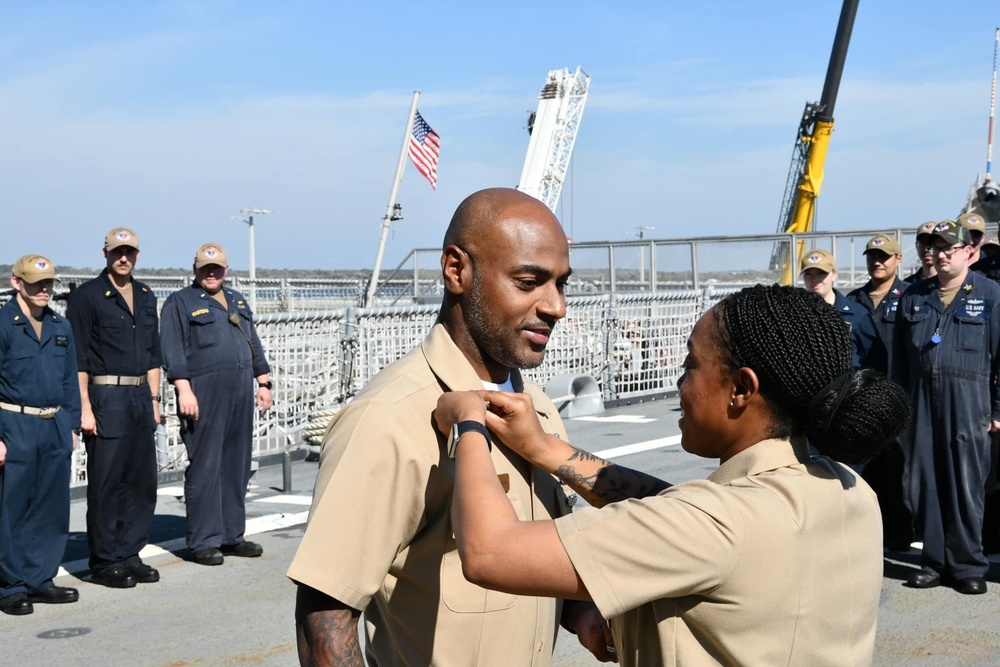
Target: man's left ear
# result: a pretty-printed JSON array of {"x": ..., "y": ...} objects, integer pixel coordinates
[{"x": 454, "y": 262}]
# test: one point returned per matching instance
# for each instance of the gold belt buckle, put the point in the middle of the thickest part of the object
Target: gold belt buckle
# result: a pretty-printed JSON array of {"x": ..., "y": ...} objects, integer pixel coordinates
[{"x": 47, "y": 413}]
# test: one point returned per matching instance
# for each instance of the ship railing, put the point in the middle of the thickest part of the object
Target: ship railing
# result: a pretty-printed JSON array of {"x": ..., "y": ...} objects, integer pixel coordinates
[{"x": 632, "y": 344}]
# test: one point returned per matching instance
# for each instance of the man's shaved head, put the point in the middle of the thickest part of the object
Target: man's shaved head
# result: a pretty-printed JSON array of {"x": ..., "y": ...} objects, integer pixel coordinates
[{"x": 479, "y": 213}]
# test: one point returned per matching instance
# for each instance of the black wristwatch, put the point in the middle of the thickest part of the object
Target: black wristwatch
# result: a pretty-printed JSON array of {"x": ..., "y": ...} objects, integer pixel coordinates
[
  {"x": 265, "y": 385},
  {"x": 157, "y": 398},
  {"x": 461, "y": 428}
]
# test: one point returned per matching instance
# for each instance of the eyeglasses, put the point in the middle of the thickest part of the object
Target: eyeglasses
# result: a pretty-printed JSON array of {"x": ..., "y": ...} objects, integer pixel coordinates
[{"x": 947, "y": 252}]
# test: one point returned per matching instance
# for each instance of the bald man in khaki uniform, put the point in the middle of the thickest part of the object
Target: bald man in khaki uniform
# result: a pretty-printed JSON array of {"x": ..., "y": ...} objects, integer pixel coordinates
[{"x": 380, "y": 537}]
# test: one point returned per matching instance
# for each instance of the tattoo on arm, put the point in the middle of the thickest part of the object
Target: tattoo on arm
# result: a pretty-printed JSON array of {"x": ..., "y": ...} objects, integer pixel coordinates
[
  {"x": 580, "y": 455},
  {"x": 326, "y": 631},
  {"x": 610, "y": 483}
]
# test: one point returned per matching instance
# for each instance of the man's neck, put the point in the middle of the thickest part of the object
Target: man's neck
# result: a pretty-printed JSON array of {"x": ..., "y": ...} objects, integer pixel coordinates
[
  {"x": 945, "y": 282},
  {"x": 121, "y": 282},
  {"x": 30, "y": 309},
  {"x": 883, "y": 285}
]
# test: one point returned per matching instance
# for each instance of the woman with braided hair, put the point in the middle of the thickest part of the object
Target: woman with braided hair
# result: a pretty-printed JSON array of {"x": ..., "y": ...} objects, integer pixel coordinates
[{"x": 775, "y": 559}]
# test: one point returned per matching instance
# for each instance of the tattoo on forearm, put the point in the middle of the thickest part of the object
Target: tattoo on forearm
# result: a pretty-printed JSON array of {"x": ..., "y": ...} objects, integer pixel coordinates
[
  {"x": 333, "y": 640},
  {"x": 610, "y": 483},
  {"x": 580, "y": 455}
]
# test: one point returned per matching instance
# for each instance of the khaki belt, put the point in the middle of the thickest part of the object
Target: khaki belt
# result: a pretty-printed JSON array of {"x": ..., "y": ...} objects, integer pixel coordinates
[
  {"x": 120, "y": 380},
  {"x": 43, "y": 413}
]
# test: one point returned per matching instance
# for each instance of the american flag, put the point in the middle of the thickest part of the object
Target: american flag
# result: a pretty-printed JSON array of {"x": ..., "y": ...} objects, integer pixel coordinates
[{"x": 425, "y": 145}]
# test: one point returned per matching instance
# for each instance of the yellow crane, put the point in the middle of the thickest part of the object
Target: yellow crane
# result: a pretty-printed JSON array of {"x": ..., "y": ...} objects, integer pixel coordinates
[{"x": 805, "y": 176}]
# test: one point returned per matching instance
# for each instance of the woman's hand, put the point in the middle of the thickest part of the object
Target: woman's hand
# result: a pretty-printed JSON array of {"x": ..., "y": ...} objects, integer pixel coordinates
[
  {"x": 512, "y": 418},
  {"x": 459, "y": 406}
]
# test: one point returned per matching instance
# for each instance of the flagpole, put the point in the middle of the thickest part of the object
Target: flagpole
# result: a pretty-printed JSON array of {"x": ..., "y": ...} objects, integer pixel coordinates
[{"x": 387, "y": 220}]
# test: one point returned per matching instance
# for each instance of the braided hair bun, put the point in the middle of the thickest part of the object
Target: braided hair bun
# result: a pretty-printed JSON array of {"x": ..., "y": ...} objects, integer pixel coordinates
[{"x": 800, "y": 349}]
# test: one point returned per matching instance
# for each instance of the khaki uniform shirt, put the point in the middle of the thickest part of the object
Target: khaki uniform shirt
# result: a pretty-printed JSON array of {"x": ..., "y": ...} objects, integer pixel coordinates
[
  {"x": 380, "y": 536},
  {"x": 773, "y": 560}
]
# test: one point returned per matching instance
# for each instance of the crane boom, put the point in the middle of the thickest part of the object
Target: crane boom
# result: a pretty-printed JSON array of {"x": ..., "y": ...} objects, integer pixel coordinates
[
  {"x": 805, "y": 176},
  {"x": 553, "y": 129}
]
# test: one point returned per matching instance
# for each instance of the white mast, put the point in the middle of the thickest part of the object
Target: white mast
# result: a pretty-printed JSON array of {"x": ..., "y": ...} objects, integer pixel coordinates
[{"x": 553, "y": 132}]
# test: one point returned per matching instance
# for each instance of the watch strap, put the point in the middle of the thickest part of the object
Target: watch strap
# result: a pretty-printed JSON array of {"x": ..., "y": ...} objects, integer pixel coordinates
[{"x": 461, "y": 428}]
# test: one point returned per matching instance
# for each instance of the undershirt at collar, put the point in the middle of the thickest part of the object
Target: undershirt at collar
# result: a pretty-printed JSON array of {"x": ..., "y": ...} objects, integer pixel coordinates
[{"x": 506, "y": 386}]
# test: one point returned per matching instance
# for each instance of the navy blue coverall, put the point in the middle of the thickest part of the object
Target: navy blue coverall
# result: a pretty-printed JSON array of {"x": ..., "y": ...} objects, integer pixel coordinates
[
  {"x": 220, "y": 353},
  {"x": 863, "y": 333},
  {"x": 884, "y": 473},
  {"x": 990, "y": 267},
  {"x": 121, "y": 459},
  {"x": 34, "y": 483},
  {"x": 947, "y": 359}
]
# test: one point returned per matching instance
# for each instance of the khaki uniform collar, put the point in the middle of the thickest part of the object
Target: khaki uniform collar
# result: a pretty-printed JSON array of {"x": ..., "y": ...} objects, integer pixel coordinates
[
  {"x": 764, "y": 456},
  {"x": 455, "y": 372}
]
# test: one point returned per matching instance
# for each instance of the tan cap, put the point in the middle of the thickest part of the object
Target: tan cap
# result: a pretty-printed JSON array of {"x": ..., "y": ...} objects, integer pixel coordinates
[
  {"x": 120, "y": 236},
  {"x": 818, "y": 259},
  {"x": 973, "y": 222},
  {"x": 926, "y": 229},
  {"x": 210, "y": 253},
  {"x": 33, "y": 268},
  {"x": 886, "y": 244}
]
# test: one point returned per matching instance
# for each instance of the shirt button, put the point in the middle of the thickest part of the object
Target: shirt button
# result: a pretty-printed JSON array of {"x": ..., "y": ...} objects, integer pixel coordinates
[{"x": 541, "y": 645}]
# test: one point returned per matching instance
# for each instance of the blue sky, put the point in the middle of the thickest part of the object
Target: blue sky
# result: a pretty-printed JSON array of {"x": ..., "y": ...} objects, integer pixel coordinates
[{"x": 169, "y": 117}]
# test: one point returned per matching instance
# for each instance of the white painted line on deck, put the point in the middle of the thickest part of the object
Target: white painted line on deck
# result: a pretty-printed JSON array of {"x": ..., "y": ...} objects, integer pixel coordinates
[
  {"x": 151, "y": 550},
  {"x": 262, "y": 524},
  {"x": 625, "y": 450},
  {"x": 287, "y": 500},
  {"x": 617, "y": 419}
]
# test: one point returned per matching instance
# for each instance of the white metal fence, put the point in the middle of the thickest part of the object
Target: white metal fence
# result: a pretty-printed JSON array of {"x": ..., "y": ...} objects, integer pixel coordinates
[
  {"x": 631, "y": 306},
  {"x": 632, "y": 345}
]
